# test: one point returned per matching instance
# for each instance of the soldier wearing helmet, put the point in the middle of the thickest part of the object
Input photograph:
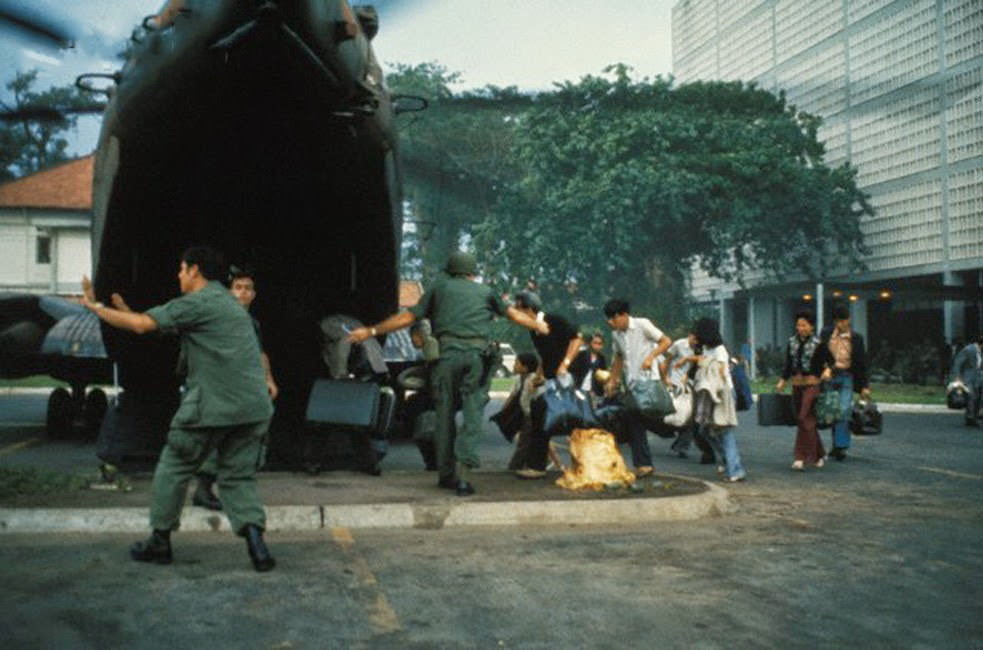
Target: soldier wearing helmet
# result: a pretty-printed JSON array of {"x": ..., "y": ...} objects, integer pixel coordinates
[{"x": 461, "y": 311}]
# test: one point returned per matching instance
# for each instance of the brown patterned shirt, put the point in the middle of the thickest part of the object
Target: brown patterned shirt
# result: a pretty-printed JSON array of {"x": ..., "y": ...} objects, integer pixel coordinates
[{"x": 841, "y": 346}]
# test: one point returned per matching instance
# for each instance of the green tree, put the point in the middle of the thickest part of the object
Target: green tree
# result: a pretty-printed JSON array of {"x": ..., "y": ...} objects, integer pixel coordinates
[
  {"x": 627, "y": 183},
  {"x": 33, "y": 143},
  {"x": 456, "y": 155}
]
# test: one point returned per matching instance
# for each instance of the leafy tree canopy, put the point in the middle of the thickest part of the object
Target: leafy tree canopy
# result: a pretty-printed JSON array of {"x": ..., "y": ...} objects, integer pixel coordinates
[
  {"x": 457, "y": 156},
  {"x": 624, "y": 183},
  {"x": 29, "y": 145}
]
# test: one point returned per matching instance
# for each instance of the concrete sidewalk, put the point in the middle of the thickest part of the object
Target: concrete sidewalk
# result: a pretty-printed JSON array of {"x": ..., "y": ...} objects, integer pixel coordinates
[{"x": 399, "y": 499}]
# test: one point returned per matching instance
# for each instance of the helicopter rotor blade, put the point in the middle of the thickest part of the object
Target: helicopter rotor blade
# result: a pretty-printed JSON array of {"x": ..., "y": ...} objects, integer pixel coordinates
[
  {"x": 34, "y": 25},
  {"x": 49, "y": 113}
]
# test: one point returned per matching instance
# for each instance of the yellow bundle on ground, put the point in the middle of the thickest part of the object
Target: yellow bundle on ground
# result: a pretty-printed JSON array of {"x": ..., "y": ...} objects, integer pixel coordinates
[{"x": 596, "y": 462}]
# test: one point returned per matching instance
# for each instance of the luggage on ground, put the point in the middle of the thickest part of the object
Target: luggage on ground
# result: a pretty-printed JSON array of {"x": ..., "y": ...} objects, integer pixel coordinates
[{"x": 776, "y": 410}]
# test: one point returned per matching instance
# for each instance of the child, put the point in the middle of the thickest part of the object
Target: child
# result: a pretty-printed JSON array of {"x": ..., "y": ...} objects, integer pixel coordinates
[{"x": 526, "y": 382}]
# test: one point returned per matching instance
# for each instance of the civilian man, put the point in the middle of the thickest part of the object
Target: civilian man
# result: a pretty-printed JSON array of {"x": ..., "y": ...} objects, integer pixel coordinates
[{"x": 637, "y": 344}]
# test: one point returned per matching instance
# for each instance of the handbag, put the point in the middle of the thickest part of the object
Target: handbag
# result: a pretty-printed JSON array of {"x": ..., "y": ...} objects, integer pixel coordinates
[
  {"x": 865, "y": 419},
  {"x": 828, "y": 410},
  {"x": 562, "y": 408},
  {"x": 724, "y": 413},
  {"x": 683, "y": 405},
  {"x": 956, "y": 396},
  {"x": 649, "y": 397},
  {"x": 509, "y": 419}
]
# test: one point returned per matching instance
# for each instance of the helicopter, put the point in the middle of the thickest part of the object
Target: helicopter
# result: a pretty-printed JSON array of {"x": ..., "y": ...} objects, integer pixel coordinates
[{"x": 265, "y": 130}]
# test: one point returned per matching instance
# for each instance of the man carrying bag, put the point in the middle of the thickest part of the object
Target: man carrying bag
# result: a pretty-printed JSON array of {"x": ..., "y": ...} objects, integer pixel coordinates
[{"x": 637, "y": 344}]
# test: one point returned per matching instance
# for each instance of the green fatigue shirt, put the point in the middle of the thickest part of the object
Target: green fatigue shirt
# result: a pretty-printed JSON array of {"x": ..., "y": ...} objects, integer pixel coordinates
[
  {"x": 460, "y": 312},
  {"x": 226, "y": 383}
]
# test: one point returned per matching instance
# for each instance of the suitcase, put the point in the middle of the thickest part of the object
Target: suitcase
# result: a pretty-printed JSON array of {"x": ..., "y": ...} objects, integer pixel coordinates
[
  {"x": 361, "y": 411},
  {"x": 347, "y": 404},
  {"x": 776, "y": 409}
]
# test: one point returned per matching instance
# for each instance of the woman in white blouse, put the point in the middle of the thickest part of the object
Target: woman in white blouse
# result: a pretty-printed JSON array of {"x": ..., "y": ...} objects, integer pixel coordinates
[{"x": 714, "y": 410}]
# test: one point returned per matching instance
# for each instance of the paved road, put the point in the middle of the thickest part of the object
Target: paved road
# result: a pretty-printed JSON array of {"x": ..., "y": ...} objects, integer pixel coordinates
[{"x": 882, "y": 550}]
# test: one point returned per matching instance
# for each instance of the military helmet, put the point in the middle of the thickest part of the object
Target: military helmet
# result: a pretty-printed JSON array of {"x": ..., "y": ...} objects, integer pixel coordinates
[{"x": 461, "y": 263}]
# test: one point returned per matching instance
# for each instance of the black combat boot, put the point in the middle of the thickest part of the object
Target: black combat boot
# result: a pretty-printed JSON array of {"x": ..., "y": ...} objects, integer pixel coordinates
[
  {"x": 464, "y": 487},
  {"x": 156, "y": 550},
  {"x": 258, "y": 553},
  {"x": 204, "y": 496}
]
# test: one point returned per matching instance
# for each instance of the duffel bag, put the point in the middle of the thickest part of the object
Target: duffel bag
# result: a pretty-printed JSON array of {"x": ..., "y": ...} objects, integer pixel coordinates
[
  {"x": 649, "y": 397},
  {"x": 562, "y": 408}
]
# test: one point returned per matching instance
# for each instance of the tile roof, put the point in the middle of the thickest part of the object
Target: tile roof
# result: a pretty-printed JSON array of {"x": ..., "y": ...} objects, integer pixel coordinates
[{"x": 66, "y": 186}]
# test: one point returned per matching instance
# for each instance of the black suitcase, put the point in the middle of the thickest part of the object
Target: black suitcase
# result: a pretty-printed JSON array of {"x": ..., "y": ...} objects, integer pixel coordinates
[
  {"x": 361, "y": 409},
  {"x": 776, "y": 409},
  {"x": 347, "y": 404}
]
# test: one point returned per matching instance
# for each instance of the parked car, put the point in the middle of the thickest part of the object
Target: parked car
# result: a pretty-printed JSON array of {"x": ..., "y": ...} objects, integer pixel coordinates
[{"x": 508, "y": 360}]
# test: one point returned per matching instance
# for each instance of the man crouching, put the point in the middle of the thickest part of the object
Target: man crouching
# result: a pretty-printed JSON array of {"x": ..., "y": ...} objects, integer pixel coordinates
[{"x": 225, "y": 404}]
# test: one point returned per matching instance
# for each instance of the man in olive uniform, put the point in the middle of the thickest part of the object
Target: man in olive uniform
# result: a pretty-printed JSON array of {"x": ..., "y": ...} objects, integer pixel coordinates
[
  {"x": 460, "y": 310},
  {"x": 225, "y": 404}
]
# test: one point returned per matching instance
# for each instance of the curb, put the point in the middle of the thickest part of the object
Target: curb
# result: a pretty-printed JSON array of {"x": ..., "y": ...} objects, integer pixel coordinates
[
  {"x": 431, "y": 515},
  {"x": 886, "y": 407}
]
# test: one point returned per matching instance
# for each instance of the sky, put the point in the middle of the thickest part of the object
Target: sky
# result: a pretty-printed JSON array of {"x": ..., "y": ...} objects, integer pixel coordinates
[{"x": 526, "y": 43}]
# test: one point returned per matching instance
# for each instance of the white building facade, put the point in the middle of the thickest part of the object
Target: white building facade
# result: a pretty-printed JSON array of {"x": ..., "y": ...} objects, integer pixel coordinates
[
  {"x": 45, "y": 224},
  {"x": 899, "y": 85}
]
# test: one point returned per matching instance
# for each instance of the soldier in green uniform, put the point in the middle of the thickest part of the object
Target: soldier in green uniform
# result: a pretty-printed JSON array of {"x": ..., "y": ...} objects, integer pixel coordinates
[
  {"x": 225, "y": 405},
  {"x": 460, "y": 310}
]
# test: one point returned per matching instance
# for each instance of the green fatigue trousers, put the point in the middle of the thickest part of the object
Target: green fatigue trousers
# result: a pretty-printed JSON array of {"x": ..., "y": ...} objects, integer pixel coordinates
[
  {"x": 458, "y": 374},
  {"x": 209, "y": 468},
  {"x": 238, "y": 448}
]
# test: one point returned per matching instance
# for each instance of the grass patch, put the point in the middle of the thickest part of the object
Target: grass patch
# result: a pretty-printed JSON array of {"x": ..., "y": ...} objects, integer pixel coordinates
[
  {"x": 889, "y": 393},
  {"x": 34, "y": 381},
  {"x": 23, "y": 481},
  {"x": 501, "y": 383}
]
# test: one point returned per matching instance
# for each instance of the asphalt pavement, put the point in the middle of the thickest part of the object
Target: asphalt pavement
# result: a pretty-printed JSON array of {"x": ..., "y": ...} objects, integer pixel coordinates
[{"x": 880, "y": 550}]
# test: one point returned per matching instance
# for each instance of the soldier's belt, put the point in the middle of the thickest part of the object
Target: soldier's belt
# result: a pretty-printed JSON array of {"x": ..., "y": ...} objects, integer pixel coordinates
[{"x": 476, "y": 341}]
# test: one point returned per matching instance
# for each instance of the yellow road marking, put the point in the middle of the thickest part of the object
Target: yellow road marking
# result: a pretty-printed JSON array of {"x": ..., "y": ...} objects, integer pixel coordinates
[
  {"x": 17, "y": 446},
  {"x": 381, "y": 613},
  {"x": 949, "y": 472}
]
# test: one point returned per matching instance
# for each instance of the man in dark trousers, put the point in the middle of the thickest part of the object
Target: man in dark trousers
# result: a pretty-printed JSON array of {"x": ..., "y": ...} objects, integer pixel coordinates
[
  {"x": 225, "y": 405},
  {"x": 841, "y": 359},
  {"x": 967, "y": 367},
  {"x": 461, "y": 311},
  {"x": 556, "y": 352}
]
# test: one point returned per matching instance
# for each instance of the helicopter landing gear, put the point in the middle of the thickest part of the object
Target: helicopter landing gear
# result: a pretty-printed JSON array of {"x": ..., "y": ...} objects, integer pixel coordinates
[{"x": 76, "y": 414}]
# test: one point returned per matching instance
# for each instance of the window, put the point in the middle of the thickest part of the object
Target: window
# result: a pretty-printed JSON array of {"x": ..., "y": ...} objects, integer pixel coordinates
[{"x": 43, "y": 249}]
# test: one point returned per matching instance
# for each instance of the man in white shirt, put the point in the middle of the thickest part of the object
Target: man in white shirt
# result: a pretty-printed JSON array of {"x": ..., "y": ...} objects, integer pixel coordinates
[{"x": 637, "y": 344}]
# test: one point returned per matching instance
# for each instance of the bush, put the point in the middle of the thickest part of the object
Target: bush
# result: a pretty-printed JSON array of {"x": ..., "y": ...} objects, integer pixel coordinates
[
  {"x": 770, "y": 360},
  {"x": 915, "y": 364}
]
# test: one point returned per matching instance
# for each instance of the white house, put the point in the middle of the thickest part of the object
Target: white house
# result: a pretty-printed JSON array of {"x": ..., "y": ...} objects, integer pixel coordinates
[{"x": 45, "y": 222}]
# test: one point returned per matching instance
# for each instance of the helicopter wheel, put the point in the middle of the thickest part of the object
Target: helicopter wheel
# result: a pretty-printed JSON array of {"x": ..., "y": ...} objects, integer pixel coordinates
[
  {"x": 93, "y": 412},
  {"x": 60, "y": 413}
]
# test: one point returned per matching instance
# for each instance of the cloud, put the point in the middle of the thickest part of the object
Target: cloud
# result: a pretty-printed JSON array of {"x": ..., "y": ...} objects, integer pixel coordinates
[{"x": 40, "y": 58}]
